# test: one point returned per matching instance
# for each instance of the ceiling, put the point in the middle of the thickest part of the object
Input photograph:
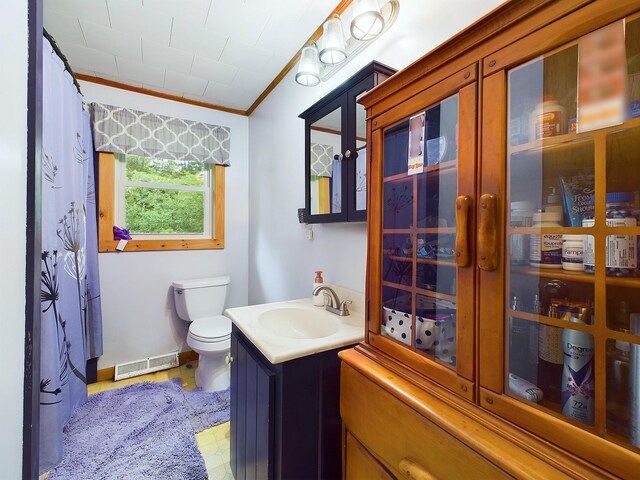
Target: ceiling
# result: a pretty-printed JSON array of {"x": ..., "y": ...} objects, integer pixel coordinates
[{"x": 220, "y": 52}]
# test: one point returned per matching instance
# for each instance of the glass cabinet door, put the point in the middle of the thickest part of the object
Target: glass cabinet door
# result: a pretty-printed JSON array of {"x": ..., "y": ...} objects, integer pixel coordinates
[
  {"x": 425, "y": 176},
  {"x": 572, "y": 215},
  {"x": 325, "y": 179}
]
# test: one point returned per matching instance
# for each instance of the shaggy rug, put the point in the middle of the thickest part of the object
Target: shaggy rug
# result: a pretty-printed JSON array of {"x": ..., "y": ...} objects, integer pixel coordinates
[
  {"x": 141, "y": 431},
  {"x": 207, "y": 409}
]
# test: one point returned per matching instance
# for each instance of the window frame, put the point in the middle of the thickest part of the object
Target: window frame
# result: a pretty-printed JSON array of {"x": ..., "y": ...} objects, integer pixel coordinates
[{"x": 108, "y": 202}]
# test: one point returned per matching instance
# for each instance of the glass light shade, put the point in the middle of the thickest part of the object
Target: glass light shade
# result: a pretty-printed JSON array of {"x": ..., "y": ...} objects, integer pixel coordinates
[
  {"x": 367, "y": 21},
  {"x": 333, "y": 49},
  {"x": 308, "y": 73}
]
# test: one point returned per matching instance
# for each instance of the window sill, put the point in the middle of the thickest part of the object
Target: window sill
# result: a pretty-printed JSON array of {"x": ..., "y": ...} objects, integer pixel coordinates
[{"x": 161, "y": 245}]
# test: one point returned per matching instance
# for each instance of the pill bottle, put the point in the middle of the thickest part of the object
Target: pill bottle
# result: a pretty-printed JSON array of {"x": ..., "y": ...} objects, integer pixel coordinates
[
  {"x": 521, "y": 216},
  {"x": 572, "y": 253},
  {"x": 545, "y": 250},
  {"x": 547, "y": 119},
  {"x": 621, "y": 251}
]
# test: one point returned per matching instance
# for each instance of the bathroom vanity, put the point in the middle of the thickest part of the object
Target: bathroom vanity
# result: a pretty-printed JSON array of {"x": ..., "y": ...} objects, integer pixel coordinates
[{"x": 285, "y": 389}]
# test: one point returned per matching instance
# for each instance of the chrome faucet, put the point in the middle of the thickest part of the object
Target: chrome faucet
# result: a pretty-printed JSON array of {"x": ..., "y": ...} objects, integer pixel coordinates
[{"x": 334, "y": 305}]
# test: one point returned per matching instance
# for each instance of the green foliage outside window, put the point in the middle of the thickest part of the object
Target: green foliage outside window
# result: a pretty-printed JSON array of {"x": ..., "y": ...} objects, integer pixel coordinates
[{"x": 164, "y": 210}]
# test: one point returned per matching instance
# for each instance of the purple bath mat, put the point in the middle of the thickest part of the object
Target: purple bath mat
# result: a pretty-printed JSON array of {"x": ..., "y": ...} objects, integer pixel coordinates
[
  {"x": 141, "y": 431},
  {"x": 207, "y": 409}
]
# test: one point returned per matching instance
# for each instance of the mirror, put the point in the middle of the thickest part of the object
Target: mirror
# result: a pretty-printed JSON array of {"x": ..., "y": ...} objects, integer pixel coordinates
[
  {"x": 326, "y": 170},
  {"x": 361, "y": 158}
]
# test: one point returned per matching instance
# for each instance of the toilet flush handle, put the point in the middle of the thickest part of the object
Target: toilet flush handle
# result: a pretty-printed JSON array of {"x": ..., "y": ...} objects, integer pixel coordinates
[{"x": 179, "y": 292}]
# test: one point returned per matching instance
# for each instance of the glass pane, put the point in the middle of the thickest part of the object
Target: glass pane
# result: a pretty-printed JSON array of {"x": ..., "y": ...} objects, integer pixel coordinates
[
  {"x": 326, "y": 168},
  {"x": 158, "y": 170},
  {"x": 549, "y": 308},
  {"x": 164, "y": 211},
  {"x": 361, "y": 158},
  {"x": 419, "y": 271}
]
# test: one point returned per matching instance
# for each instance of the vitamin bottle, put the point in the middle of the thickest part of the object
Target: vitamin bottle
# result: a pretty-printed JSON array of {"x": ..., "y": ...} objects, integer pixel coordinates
[
  {"x": 621, "y": 255},
  {"x": 545, "y": 250}
]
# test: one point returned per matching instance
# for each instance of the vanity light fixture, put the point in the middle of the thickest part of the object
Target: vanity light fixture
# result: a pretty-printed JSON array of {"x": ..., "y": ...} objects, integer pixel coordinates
[
  {"x": 333, "y": 50},
  {"x": 308, "y": 73},
  {"x": 369, "y": 21}
]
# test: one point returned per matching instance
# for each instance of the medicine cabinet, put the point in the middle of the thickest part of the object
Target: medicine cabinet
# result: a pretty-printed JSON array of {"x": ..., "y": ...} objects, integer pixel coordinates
[
  {"x": 335, "y": 150},
  {"x": 503, "y": 282}
]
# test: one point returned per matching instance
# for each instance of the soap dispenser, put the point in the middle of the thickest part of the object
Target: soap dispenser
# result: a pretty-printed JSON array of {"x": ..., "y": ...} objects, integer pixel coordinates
[{"x": 318, "y": 300}]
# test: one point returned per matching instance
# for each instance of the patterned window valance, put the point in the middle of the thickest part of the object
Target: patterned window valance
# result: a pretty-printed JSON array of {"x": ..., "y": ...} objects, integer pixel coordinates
[
  {"x": 122, "y": 130},
  {"x": 321, "y": 160}
]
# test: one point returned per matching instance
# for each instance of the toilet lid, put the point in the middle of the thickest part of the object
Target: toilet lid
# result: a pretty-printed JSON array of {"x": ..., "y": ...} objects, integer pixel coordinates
[{"x": 212, "y": 329}]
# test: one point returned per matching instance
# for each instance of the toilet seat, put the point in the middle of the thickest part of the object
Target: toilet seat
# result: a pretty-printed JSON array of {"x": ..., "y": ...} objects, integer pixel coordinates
[{"x": 211, "y": 329}]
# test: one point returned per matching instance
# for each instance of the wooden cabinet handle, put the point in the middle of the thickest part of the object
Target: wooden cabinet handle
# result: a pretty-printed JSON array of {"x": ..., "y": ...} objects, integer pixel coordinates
[
  {"x": 463, "y": 205},
  {"x": 488, "y": 232},
  {"x": 414, "y": 470}
]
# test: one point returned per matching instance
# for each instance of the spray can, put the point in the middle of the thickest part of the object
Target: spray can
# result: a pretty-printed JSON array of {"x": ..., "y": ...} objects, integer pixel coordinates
[{"x": 578, "y": 385}]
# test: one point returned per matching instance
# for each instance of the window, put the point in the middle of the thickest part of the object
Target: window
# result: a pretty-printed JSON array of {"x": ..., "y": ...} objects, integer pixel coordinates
[{"x": 166, "y": 204}]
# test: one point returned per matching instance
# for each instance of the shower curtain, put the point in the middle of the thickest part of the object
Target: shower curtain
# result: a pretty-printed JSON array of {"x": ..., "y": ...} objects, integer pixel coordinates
[{"x": 71, "y": 331}]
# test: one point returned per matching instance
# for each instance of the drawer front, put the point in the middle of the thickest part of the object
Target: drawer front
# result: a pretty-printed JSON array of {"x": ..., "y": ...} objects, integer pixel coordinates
[
  {"x": 401, "y": 439},
  {"x": 360, "y": 464}
]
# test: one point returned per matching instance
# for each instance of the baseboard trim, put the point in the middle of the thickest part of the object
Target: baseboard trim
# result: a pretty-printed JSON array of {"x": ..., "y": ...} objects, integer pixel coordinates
[{"x": 107, "y": 374}]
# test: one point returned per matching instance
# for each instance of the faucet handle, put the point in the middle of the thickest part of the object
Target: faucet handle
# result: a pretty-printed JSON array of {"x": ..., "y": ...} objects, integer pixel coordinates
[{"x": 343, "y": 306}]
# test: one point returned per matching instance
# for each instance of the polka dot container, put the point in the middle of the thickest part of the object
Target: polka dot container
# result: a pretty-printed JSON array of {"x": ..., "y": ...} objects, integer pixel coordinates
[{"x": 435, "y": 333}]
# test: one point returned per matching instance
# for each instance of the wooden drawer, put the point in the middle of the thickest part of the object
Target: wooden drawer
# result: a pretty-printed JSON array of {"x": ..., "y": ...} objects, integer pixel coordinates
[{"x": 396, "y": 434}]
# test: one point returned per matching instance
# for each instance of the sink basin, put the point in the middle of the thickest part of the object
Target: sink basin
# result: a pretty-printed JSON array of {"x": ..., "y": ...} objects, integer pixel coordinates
[{"x": 298, "y": 323}]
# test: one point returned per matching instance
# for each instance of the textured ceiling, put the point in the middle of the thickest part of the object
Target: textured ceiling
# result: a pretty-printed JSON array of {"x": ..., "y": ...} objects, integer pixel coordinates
[{"x": 222, "y": 52}]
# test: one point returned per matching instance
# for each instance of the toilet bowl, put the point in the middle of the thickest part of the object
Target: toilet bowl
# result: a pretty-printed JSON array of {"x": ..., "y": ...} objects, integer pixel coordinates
[{"x": 201, "y": 302}]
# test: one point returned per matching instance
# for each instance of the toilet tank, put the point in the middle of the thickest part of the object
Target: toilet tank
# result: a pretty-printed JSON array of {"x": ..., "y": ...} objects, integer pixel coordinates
[{"x": 200, "y": 297}]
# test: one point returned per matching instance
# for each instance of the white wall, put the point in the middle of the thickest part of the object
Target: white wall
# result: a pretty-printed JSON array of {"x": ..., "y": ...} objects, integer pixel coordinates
[
  {"x": 138, "y": 313},
  {"x": 281, "y": 259},
  {"x": 13, "y": 158}
]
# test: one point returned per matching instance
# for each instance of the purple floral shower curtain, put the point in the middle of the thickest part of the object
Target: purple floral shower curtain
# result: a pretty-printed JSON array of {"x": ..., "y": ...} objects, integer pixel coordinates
[{"x": 71, "y": 327}]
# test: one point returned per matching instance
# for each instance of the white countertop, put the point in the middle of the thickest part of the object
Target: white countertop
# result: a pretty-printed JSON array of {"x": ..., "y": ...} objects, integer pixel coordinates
[{"x": 278, "y": 347}]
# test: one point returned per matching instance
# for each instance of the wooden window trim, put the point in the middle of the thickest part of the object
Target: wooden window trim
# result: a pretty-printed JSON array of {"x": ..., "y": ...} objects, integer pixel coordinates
[{"x": 106, "y": 215}]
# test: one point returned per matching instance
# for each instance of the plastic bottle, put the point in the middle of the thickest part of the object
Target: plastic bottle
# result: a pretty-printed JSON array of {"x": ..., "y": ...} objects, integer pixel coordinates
[
  {"x": 318, "y": 300},
  {"x": 618, "y": 388},
  {"x": 553, "y": 202},
  {"x": 545, "y": 251},
  {"x": 572, "y": 252},
  {"x": 578, "y": 379},
  {"x": 547, "y": 119},
  {"x": 521, "y": 216},
  {"x": 621, "y": 259}
]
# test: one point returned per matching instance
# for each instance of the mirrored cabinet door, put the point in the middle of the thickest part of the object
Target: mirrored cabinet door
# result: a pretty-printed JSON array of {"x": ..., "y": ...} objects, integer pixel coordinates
[{"x": 325, "y": 178}]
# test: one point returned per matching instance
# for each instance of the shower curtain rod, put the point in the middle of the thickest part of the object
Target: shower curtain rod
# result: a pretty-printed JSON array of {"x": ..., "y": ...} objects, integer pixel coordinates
[{"x": 67, "y": 67}]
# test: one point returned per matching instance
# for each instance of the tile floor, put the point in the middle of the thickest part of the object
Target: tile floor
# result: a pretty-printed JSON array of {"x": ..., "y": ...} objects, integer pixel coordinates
[{"x": 213, "y": 442}]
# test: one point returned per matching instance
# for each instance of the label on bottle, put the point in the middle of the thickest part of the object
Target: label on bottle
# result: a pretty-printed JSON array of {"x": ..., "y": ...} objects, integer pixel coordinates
[
  {"x": 588, "y": 245},
  {"x": 547, "y": 124},
  {"x": 545, "y": 250},
  {"x": 550, "y": 344},
  {"x": 621, "y": 249}
]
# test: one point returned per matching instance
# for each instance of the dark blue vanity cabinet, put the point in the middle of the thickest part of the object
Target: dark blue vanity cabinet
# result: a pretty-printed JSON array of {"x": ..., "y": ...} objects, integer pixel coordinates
[{"x": 285, "y": 418}]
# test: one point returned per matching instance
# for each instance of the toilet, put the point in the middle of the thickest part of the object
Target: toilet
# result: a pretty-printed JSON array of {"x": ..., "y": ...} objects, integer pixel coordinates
[{"x": 201, "y": 302}]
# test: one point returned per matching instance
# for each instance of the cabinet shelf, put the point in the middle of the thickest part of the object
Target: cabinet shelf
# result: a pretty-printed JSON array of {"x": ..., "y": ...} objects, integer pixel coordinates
[
  {"x": 567, "y": 141},
  {"x": 554, "y": 322},
  {"x": 427, "y": 231},
  {"x": 582, "y": 277},
  {"x": 450, "y": 166},
  {"x": 426, "y": 261}
]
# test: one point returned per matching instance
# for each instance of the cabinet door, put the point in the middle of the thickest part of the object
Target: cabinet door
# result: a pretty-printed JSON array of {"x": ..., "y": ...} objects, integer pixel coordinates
[
  {"x": 252, "y": 414},
  {"x": 356, "y": 161},
  {"x": 326, "y": 182},
  {"x": 561, "y": 136},
  {"x": 421, "y": 282}
]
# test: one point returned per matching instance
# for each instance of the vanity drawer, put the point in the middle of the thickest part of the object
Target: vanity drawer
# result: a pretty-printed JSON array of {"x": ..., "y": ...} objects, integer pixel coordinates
[{"x": 401, "y": 439}]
